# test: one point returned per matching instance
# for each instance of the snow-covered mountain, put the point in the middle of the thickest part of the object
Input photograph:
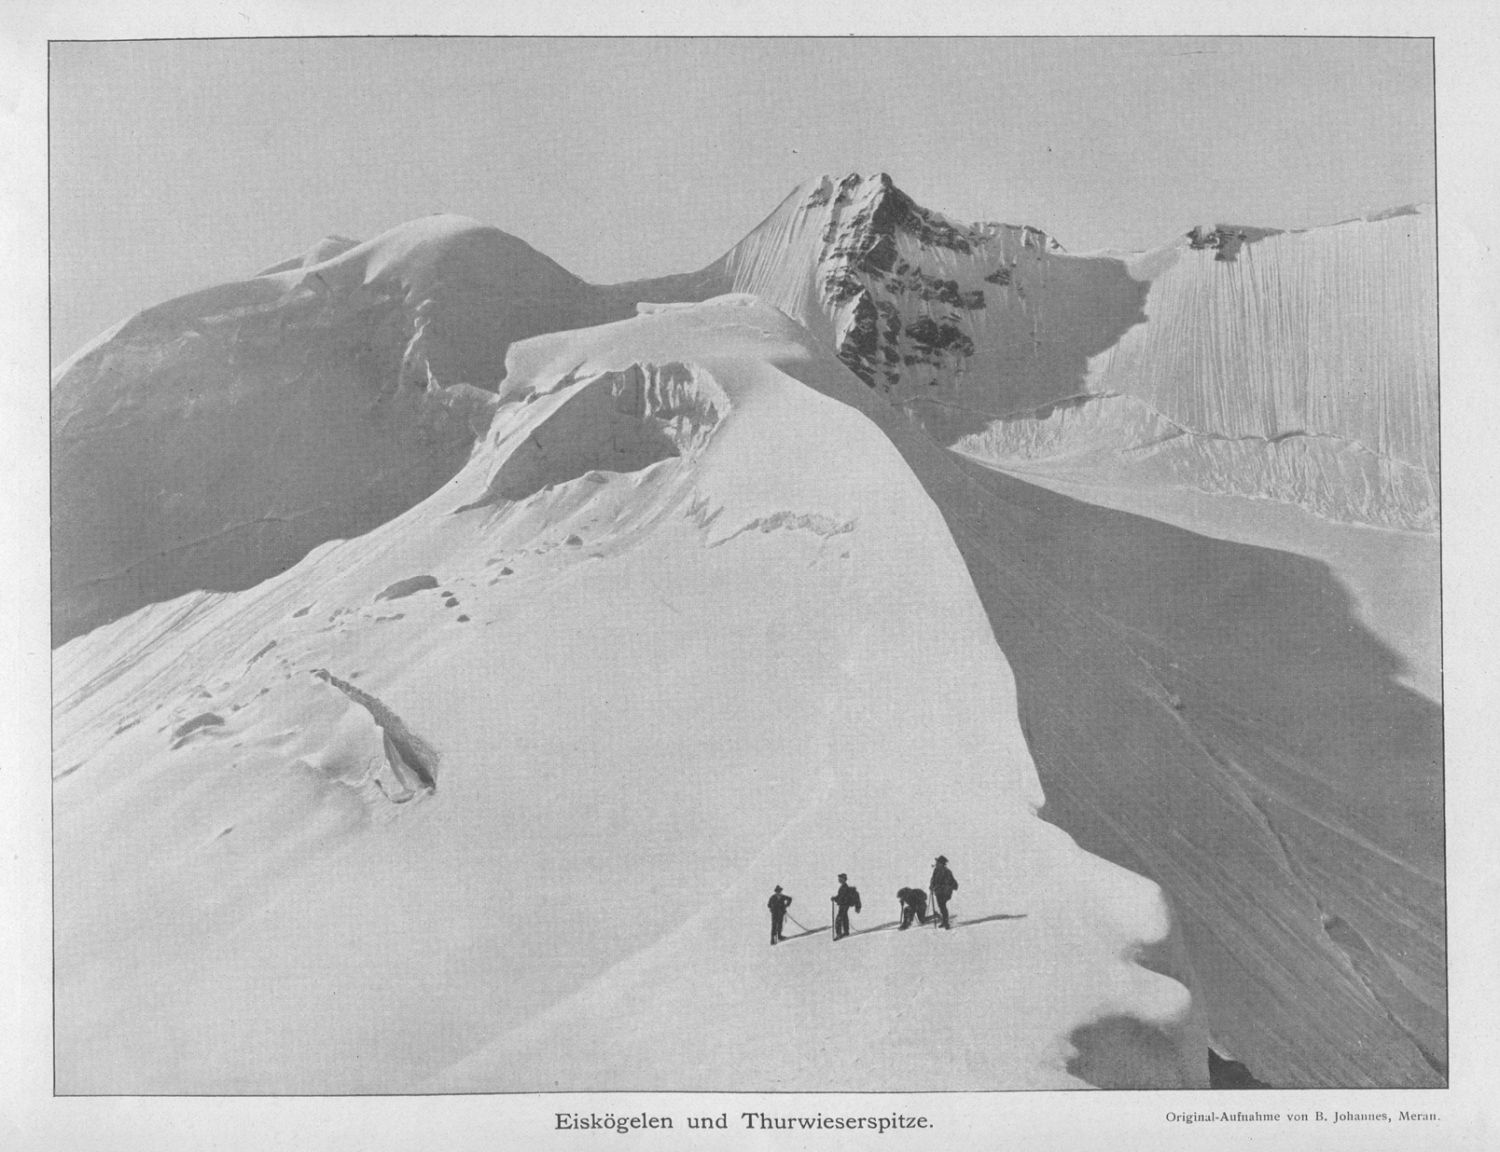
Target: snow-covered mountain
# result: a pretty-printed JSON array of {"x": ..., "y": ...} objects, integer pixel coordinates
[
  {"x": 635, "y": 621},
  {"x": 1295, "y": 367},
  {"x": 1298, "y": 367},
  {"x": 492, "y": 796},
  {"x": 311, "y": 402}
]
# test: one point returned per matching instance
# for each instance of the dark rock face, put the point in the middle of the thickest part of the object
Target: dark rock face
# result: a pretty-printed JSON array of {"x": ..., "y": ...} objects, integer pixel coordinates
[
  {"x": 863, "y": 270},
  {"x": 928, "y": 334},
  {"x": 1224, "y": 1073},
  {"x": 960, "y": 323},
  {"x": 1228, "y": 239},
  {"x": 897, "y": 210},
  {"x": 861, "y": 341}
]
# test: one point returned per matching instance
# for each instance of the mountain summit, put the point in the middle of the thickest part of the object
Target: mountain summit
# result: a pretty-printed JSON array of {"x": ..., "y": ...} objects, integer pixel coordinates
[
  {"x": 1292, "y": 366},
  {"x": 415, "y": 583},
  {"x": 364, "y": 364}
]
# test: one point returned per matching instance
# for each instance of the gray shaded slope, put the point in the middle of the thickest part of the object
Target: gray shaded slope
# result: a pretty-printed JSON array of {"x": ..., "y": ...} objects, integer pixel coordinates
[
  {"x": 1213, "y": 715},
  {"x": 212, "y": 441}
]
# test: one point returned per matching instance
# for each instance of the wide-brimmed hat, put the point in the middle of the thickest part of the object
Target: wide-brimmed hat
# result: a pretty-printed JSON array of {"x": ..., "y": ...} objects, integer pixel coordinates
[
  {"x": 778, "y": 887},
  {"x": 843, "y": 875},
  {"x": 942, "y": 859}
]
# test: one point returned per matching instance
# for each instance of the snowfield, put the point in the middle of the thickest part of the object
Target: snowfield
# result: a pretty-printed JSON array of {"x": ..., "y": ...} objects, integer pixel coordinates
[
  {"x": 696, "y": 630},
  {"x": 312, "y": 402},
  {"x": 454, "y": 655}
]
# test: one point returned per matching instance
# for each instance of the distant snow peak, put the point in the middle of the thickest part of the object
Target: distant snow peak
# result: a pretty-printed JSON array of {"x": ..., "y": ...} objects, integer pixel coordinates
[
  {"x": 897, "y": 288},
  {"x": 1232, "y": 342}
]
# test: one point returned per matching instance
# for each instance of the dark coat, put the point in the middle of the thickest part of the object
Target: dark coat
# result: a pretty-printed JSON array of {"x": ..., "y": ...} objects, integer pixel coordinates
[
  {"x": 942, "y": 883},
  {"x": 778, "y": 904},
  {"x": 847, "y": 897},
  {"x": 913, "y": 898}
]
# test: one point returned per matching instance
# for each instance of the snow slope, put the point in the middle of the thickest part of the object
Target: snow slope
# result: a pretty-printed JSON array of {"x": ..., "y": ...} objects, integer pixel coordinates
[
  {"x": 1242, "y": 708},
  {"x": 1212, "y": 705},
  {"x": 211, "y": 441},
  {"x": 1214, "y": 713},
  {"x": 1221, "y": 688},
  {"x": 492, "y": 796}
]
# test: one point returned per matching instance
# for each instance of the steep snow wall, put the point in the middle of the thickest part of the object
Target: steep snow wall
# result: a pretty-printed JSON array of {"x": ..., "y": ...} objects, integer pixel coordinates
[
  {"x": 1302, "y": 370},
  {"x": 1324, "y": 333},
  {"x": 491, "y": 797}
]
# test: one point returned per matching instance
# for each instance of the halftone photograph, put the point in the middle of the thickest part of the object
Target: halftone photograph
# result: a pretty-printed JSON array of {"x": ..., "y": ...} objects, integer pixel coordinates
[{"x": 776, "y": 565}]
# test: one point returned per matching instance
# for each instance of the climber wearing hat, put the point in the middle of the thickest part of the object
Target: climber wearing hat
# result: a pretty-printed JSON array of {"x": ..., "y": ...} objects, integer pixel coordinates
[
  {"x": 847, "y": 897},
  {"x": 943, "y": 885},
  {"x": 778, "y": 904}
]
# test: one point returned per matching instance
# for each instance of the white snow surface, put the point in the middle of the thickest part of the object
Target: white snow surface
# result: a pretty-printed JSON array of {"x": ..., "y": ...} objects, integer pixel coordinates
[
  {"x": 492, "y": 797},
  {"x": 212, "y": 441}
]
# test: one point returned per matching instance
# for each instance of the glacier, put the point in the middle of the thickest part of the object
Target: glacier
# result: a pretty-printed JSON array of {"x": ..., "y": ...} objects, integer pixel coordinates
[
  {"x": 1192, "y": 493},
  {"x": 474, "y": 801}
]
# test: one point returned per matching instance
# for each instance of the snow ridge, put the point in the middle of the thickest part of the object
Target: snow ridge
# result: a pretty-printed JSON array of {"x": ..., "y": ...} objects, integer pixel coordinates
[
  {"x": 593, "y": 736},
  {"x": 302, "y": 440},
  {"x": 330, "y": 394}
]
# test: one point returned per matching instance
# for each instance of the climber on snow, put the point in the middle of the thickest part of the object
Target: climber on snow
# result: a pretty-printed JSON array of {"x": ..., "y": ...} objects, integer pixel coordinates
[
  {"x": 845, "y": 898},
  {"x": 778, "y": 904},
  {"x": 913, "y": 906},
  {"x": 942, "y": 886}
]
